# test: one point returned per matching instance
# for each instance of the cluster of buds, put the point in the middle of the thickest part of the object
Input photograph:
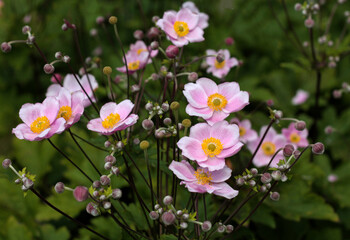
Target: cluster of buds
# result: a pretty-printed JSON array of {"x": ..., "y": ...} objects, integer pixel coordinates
[
  {"x": 168, "y": 131},
  {"x": 339, "y": 92},
  {"x": 156, "y": 109},
  {"x": 7, "y": 46},
  {"x": 308, "y": 9},
  {"x": 332, "y": 61},
  {"x": 164, "y": 74},
  {"x": 49, "y": 67},
  {"x": 24, "y": 177},
  {"x": 347, "y": 15},
  {"x": 225, "y": 228},
  {"x": 324, "y": 40}
]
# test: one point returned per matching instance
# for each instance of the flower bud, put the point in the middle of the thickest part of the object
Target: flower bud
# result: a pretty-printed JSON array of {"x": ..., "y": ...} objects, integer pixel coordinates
[
  {"x": 117, "y": 193},
  {"x": 254, "y": 171},
  {"x": 135, "y": 88},
  {"x": 6, "y": 163},
  {"x": 113, "y": 20},
  {"x": 153, "y": 33},
  {"x": 169, "y": 76},
  {"x": 59, "y": 187},
  {"x": 300, "y": 125},
  {"x": 156, "y": 207},
  {"x": 105, "y": 180},
  {"x": 24, "y": 188},
  {"x": 100, "y": 20},
  {"x": 48, "y": 68},
  {"x": 263, "y": 189},
  {"x": 167, "y": 121},
  {"x": 119, "y": 145},
  {"x": 240, "y": 181},
  {"x": 154, "y": 76},
  {"x": 165, "y": 107},
  {"x": 147, "y": 124},
  {"x": 175, "y": 105},
  {"x": 168, "y": 218},
  {"x": 28, "y": 183},
  {"x": 93, "y": 32},
  {"x": 297, "y": 7},
  {"x": 269, "y": 102},
  {"x": 318, "y": 148},
  {"x": 179, "y": 212},
  {"x": 18, "y": 181},
  {"x": 288, "y": 150},
  {"x": 5, "y": 47},
  {"x": 106, "y": 205},
  {"x": 229, "y": 41},
  {"x": 81, "y": 193},
  {"x": 110, "y": 158},
  {"x": 149, "y": 106},
  {"x": 107, "y": 144},
  {"x": 220, "y": 57},
  {"x": 221, "y": 229},
  {"x": 172, "y": 51},
  {"x": 107, "y": 70},
  {"x": 337, "y": 93},
  {"x": 186, "y": 123},
  {"x": 138, "y": 34},
  {"x": 154, "y": 45},
  {"x": 332, "y": 178},
  {"x": 153, "y": 215},
  {"x": 275, "y": 196},
  {"x": 66, "y": 59},
  {"x": 64, "y": 27},
  {"x": 193, "y": 76},
  {"x": 136, "y": 141},
  {"x": 96, "y": 184},
  {"x": 206, "y": 226},
  {"x": 229, "y": 228},
  {"x": 183, "y": 225},
  {"x": 185, "y": 216},
  {"x": 332, "y": 64},
  {"x": 284, "y": 177},
  {"x": 309, "y": 22},
  {"x": 115, "y": 170},
  {"x": 296, "y": 153},
  {"x": 108, "y": 165},
  {"x": 144, "y": 145},
  {"x": 278, "y": 114},
  {"x": 252, "y": 183},
  {"x": 155, "y": 19},
  {"x": 329, "y": 130},
  {"x": 167, "y": 200},
  {"x": 159, "y": 133},
  {"x": 266, "y": 178},
  {"x": 276, "y": 175}
]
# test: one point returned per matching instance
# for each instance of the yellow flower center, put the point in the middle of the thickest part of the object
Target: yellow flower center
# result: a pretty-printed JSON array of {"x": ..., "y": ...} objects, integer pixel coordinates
[
  {"x": 216, "y": 102},
  {"x": 212, "y": 146},
  {"x": 203, "y": 177},
  {"x": 181, "y": 28},
  {"x": 134, "y": 65},
  {"x": 268, "y": 148},
  {"x": 40, "y": 124},
  {"x": 65, "y": 112},
  {"x": 219, "y": 64},
  {"x": 242, "y": 131},
  {"x": 294, "y": 138},
  {"x": 139, "y": 51},
  {"x": 111, "y": 120}
]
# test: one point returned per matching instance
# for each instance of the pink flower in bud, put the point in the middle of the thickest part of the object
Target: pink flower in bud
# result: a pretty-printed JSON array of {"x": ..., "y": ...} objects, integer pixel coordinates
[
  {"x": 295, "y": 137},
  {"x": 275, "y": 196},
  {"x": 318, "y": 148},
  {"x": 229, "y": 41},
  {"x": 168, "y": 218},
  {"x": 300, "y": 97},
  {"x": 5, "y": 47},
  {"x": 81, "y": 193},
  {"x": 288, "y": 150},
  {"x": 337, "y": 93},
  {"x": 59, "y": 187},
  {"x": 220, "y": 68},
  {"x": 268, "y": 148},
  {"x": 202, "y": 180},
  {"x": 332, "y": 178},
  {"x": 214, "y": 102},
  {"x": 172, "y": 51},
  {"x": 113, "y": 117},
  {"x": 181, "y": 27},
  {"x": 138, "y": 34},
  {"x": 206, "y": 226},
  {"x": 49, "y": 68},
  {"x": 40, "y": 120},
  {"x": 329, "y": 130},
  {"x": 100, "y": 20},
  {"x": 153, "y": 33},
  {"x": 309, "y": 22},
  {"x": 269, "y": 103},
  {"x": 246, "y": 133}
]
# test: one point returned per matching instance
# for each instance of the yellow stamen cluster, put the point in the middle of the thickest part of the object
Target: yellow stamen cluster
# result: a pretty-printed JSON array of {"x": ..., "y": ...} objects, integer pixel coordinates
[
  {"x": 216, "y": 102},
  {"x": 268, "y": 148},
  {"x": 242, "y": 131},
  {"x": 219, "y": 64},
  {"x": 134, "y": 65},
  {"x": 65, "y": 112},
  {"x": 111, "y": 120},
  {"x": 139, "y": 51},
  {"x": 40, "y": 124},
  {"x": 212, "y": 146},
  {"x": 294, "y": 138},
  {"x": 181, "y": 28},
  {"x": 203, "y": 177}
]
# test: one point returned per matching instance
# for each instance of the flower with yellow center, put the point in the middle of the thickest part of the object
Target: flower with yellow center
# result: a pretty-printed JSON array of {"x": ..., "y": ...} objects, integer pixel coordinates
[
  {"x": 65, "y": 112},
  {"x": 294, "y": 138},
  {"x": 139, "y": 51},
  {"x": 216, "y": 102},
  {"x": 181, "y": 28},
  {"x": 268, "y": 148},
  {"x": 219, "y": 65},
  {"x": 212, "y": 146},
  {"x": 134, "y": 65},
  {"x": 40, "y": 124},
  {"x": 242, "y": 131},
  {"x": 203, "y": 177},
  {"x": 111, "y": 120}
]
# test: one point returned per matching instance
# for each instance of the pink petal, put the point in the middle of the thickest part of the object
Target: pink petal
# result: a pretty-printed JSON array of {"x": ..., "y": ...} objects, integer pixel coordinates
[
  {"x": 22, "y": 131},
  {"x": 227, "y": 133},
  {"x": 237, "y": 102},
  {"x": 194, "y": 187},
  {"x": 86, "y": 85},
  {"x": 232, "y": 62},
  {"x": 56, "y": 128},
  {"x": 200, "y": 131},
  {"x": 168, "y": 28},
  {"x": 183, "y": 170},
  {"x": 30, "y": 112},
  {"x": 64, "y": 97},
  {"x": 186, "y": 15},
  {"x": 70, "y": 83},
  {"x": 249, "y": 136},
  {"x": 129, "y": 121},
  {"x": 107, "y": 109},
  {"x": 192, "y": 149},
  {"x": 195, "y": 95},
  {"x": 124, "y": 108},
  {"x": 217, "y": 117},
  {"x": 199, "y": 112},
  {"x": 196, "y": 35},
  {"x": 224, "y": 190},
  {"x": 96, "y": 126},
  {"x": 179, "y": 42},
  {"x": 203, "y": 20},
  {"x": 170, "y": 16},
  {"x": 53, "y": 90},
  {"x": 50, "y": 108},
  {"x": 213, "y": 163},
  {"x": 208, "y": 85},
  {"x": 228, "y": 152},
  {"x": 228, "y": 89},
  {"x": 221, "y": 175}
]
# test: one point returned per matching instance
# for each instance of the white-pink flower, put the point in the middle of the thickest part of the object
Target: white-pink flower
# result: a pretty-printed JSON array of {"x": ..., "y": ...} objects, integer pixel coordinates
[
  {"x": 181, "y": 27},
  {"x": 141, "y": 48},
  {"x": 203, "y": 18},
  {"x": 113, "y": 117},
  {"x": 41, "y": 120},
  {"x": 246, "y": 133},
  {"x": 220, "y": 69},
  {"x": 214, "y": 102},
  {"x": 134, "y": 61},
  {"x": 204, "y": 181},
  {"x": 71, "y": 84},
  {"x": 300, "y": 97},
  {"x": 210, "y": 145},
  {"x": 268, "y": 148},
  {"x": 295, "y": 137}
]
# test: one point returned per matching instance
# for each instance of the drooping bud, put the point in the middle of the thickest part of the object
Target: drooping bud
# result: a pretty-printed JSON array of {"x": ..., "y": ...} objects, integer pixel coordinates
[
  {"x": 240, "y": 181},
  {"x": 167, "y": 121},
  {"x": 59, "y": 187},
  {"x": 6, "y": 163},
  {"x": 105, "y": 180},
  {"x": 6, "y": 47},
  {"x": 117, "y": 193},
  {"x": 155, "y": 19},
  {"x": 193, "y": 76},
  {"x": 329, "y": 130},
  {"x": 318, "y": 148},
  {"x": 266, "y": 178},
  {"x": 206, "y": 226},
  {"x": 153, "y": 215},
  {"x": 275, "y": 196},
  {"x": 296, "y": 153},
  {"x": 278, "y": 114},
  {"x": 66, "y": 59},
  {"x": 183, "y": 225},
  {"x": 165, "y": 107},
  {"x": 115, "y": 170},
  {"x": 106, "y": 205},
  {"x": 49, "y": 68},
  {"x": 254, "y": 171},
  {"x": 288, "y": 150},
  {"x": 300, "y": 125},
  {"x": 168, "y": 218},
  {"x": 185, "y": 216},
  {"x": 108, "y": 165},
  {"x": 269, "y": 102},
  {"x": 169, "y": 76},
  {"x": 172, "y": 51},
  {"x": 149, "y": 106},
  {"x": 221, "y": 229},
  {"x": 167, "y": 200},
  {"x": 297, "y": 7},
  {"x": 81, "y": 193},
  {"x": 28, "y": 183},
  {"x": 96, "y": 184},
  {"x": 64, "y": 27},
  {"x": 147, "y": 124}
]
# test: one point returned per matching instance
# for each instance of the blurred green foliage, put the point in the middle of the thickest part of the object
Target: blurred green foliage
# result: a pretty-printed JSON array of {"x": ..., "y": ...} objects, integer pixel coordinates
[{"x": 310, "y": 207}]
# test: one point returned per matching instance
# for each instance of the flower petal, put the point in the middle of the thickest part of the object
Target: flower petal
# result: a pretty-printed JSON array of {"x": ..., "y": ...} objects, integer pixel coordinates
[
  {"x": 199, "y": 112},
  {"x": 213, "y": 163},
  {"x": 183, "y": 170},
  {"x": 208, "y": 85},
  {"x": 221, "y": 175},
  {"x": 186, "y": 15},
  {"x": 195, "y": 95},
  {"x": 192, "y": 149},
  {"x": 200, "y": 131},
  {"x": 227, "y": 133},
  {"x": 224, "y": 190}
]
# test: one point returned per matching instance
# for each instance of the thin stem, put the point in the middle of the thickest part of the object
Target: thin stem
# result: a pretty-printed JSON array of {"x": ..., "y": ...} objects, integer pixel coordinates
[
  {"x": 91, "y": 144},
  {"x": 149, "y": 176}
]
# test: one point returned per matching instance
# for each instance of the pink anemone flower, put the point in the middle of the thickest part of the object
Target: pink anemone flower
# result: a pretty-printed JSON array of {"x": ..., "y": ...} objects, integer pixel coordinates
[
  {"x": 181, "y": 27},
  {"x": 295, "y": 137},
  {"x": 204, "y": 181},
  {"x": 113, "y": 117},
  {"x": 246, "y": 133},
  {"x": 135, "y": 62},
  {"x": 140, "y": 48},
  {"x": 72, "y": 85},
  {"x": 268, "y": 148},
  {"x": 71, "y": 106},
  {"x": 214, "y": 102},
  {"x": 203, "y": 18},
  {"x": 210, "y": 145},
  {"x": 40, "y": 120},
  {"x": 300, "y": 97},
  {"x": 221, "y": 69}
]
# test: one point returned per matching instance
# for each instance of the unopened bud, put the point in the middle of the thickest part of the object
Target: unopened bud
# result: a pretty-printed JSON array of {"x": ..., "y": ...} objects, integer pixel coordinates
[
  {"x": 106, "y": 205},
  {"x": 168, "y": 218},
  {"x": 318, "y": 148},
  {"x": 6, "y": 47},
  {"x": 296, "y": 153},
  {"x": 115, "y": 170},
  {"x": 113, "y": 20},
  {"x": 252, "y": 183},
  {"x": 229, "y": 41},
  {"x": 81, "y": 193},
  {"x": 107, "y": 144},
  {"x": 183, "y": 225},
  {"x": 66, "y": 59},
  {"x": 117, "y": 193},
  {"x": 169, "y": 76},
  {"x": 147, "y": 124},
  {"x": 110, "y": 158},
  {"x": 154, "y": 45},
  {"x": 153, "y": 215},
  {"x": 154, "y": 76},
  {"x": 175, "y": 105},
  {"x": 263, "y": 189},
  {"x": 193, "y": 76},
  {"x": 300, "y": 125},
  {"x": 276, "y": 175},
  {"x": 165, "y": 107},
  {"x": 275, "y": 196},
  {"x": 149, "y": 106},
  {"x": 185, "y": 216},
  {"x": 153, "y": 33},
  {"x": 266, "y": 178},
  {"x": 254, "y": 171},
  {"x": 107, "y": 70},
  {"x": 278, "y": 114},
  {"x": 240, "y": 181},
  {"x": 297, "y": 7},
  {"x": 337, "y": 93},
  {"x": 167, "y": 121},
  {"x": 155, "y": 19},
  {"x": 138, "y": 34},
  {"x": 309, "y": 22},
  {"x": 108, "y": 165},
  {"x": 105, "y": 180},
  {"x": 100, "y": 20},
  {"x": 206, "y": 226},
  {"x": 26, "y": 29},
  {"x": 59, "y": 187},
  {"x": 329, "y": 130},
  {"x": 96, "y": 184},
  {"x": 172, "y": 51},
  {"x": 221, "y": 229},
  {"x": 6, "y": 163},
  {"x": 167, "y": 200},
  {"x": 49, "y": 69},
  {"x": 269, "y": 102},
  {"x": 229, "y": 228},
  {"x": 64, "y": 27},
  {"x": 186, "y": 123},
  {"x": 144, "y": 145}
]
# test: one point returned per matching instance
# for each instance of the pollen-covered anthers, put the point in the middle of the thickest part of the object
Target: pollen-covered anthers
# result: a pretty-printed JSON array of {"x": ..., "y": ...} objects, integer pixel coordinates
[
  {"x": 216, "y": 102},
  {"x": 156, "y": 109},
  {"x": 212, "y": 146},
  {"x": 203, "y": 177},
  {"x": 25, "y": 178}
]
